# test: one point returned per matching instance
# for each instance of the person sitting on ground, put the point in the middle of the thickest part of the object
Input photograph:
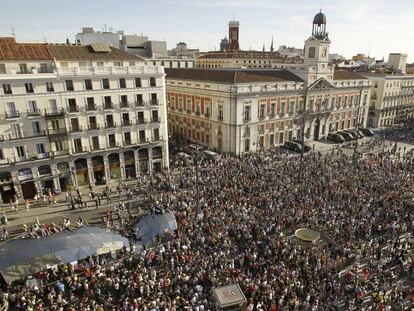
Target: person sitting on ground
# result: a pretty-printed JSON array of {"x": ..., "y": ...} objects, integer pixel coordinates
[
  {"x": 80, "y": 223},
  {"x": 27, "y": 204},
  {"x": 54, "y": 228},
  {"x": 3, "y": 218},
  {"x": 33, "y": 232},
  {"x": 4, "y": 234},
  {"x": 67, "y": 224}
]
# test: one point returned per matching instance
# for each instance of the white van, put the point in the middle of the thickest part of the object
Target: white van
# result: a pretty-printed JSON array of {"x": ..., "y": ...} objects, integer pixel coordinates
[{"x": 212, "y": 155}]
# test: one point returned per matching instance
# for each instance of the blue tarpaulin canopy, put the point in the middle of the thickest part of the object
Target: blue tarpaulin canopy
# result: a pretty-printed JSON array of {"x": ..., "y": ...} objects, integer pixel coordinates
[
  {"x": 154, "y": 225},
  {"x": 20, "y": 258}
]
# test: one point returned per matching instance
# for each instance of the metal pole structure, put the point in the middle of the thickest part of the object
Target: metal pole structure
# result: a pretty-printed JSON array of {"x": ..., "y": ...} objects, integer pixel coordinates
[
  {"x": 197, "y": 182},
  {"x": 357, "y": 130},
  {"x": 303, "y": 124}
]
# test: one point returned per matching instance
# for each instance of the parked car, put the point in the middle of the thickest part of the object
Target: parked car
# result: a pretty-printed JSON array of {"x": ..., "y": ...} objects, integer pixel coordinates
[
  {"x": 353, "y": 134},
  {"x": 193, "y": 148},
  {"x": 367, "y": 132},
  {"x": 346, "y": 136},
  {"x": 306, "y": 147},
  {"x": 294, "y": 146},
  {"x": 356, "y": 133},
  {"x": 335, "y": 137}
]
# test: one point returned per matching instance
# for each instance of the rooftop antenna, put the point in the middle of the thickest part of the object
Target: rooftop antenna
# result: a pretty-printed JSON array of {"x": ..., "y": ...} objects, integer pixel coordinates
[
  {"x": 12, "y": 31},
  {"x": 271, "y": 45}
]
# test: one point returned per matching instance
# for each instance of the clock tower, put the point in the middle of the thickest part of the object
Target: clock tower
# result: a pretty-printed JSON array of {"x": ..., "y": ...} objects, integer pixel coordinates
[{"x": 316, "y": 58}]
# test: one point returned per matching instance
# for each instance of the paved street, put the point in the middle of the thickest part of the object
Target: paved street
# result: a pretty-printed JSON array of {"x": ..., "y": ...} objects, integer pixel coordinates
[{"x": 55, "y": 212}]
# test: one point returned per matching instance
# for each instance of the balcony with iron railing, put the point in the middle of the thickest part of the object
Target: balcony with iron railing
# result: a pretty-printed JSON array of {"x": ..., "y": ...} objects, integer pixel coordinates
[
  {"x": 124, "y": 105},
  {"x": 108, "y": 105},
  {"x": 126, "y": 122},
  {"x": 55, "y": 113},
  {"x": 188, "y": 111},
  {"x": 12, "y": 114},
  {"x": 156, "y": 138},
  {"x": 197, "y": 113},
  {"x": 93, "y": 126},
  {"x": 96, "y": 147},
  {"x": 207, "y": 115},
  {"x": 220, "y": 117},
  {"x": 140, "y": 103},
  {"x": 4, "y": 161},
  {"x": 73, "y": 109},
  {"x": 76, "y": 129},
  {"x": 141, "y": 121},
  {"x": 110, "y": 125},
  {"x": 91, "y": 107},
  {"x": 30, "y": 157},
  {"x": 22, "y": 135},
  {"x": 113, "y": 144},
  {"x": 246, "y": 119},
  {"x": 59, "y": 153},
  {"x": 272, "y": 115},
  {"x": 154, "y": 102},
  {"x": 143, "y": 140},
  {"x": 155, "y": 120},
  {"x": 80, "y": 149},
  {"x": 33, "y": 112},
  {"x": 127, "y": 142},
  {"x": 59, "y": 131}
]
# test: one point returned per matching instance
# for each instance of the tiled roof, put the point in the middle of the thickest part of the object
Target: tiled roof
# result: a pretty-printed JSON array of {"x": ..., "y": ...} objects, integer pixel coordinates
[
  {"x": 85, "y": 52},
  {"x": 231, "y": 76},
  {"x": 10, "y": 50},
  {"x": 348, "y": 75},
  {"x": 249, "y": 55}
]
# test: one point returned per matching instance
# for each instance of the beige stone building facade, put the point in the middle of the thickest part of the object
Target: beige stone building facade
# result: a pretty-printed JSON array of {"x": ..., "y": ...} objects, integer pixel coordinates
[
  {"x": 241, "y": 110},
  {"x": 392, "y": 99},
  {"x": 77, "y": 115},
  {"x": 246, "y": 110}
]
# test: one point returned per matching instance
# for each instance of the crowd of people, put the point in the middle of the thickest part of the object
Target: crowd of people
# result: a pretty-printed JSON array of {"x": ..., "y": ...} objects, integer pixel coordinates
[{"x": 236, "y": 224}]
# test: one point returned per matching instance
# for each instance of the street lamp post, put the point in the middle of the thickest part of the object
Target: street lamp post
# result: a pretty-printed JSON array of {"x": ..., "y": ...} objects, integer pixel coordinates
[{"x": 357, "y": 131}]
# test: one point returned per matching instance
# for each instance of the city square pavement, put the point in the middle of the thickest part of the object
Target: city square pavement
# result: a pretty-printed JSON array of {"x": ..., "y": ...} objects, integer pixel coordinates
[{"x": 48, "y": 213}]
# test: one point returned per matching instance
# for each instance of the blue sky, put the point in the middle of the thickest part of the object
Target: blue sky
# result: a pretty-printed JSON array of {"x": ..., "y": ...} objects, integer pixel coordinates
[{"x": 377, "y": 27}]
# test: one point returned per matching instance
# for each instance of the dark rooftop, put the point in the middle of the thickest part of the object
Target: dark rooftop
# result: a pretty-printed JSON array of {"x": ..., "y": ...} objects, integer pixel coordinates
[
  {"x": 231, "y": 75},
  {"x": 85, "y": 52},
  {"x": 347, "y": 75}
]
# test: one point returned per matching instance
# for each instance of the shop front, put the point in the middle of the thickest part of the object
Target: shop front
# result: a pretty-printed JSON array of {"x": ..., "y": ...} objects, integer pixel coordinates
[
  {"x": 81, "y": 171},
  {"x": 98, "y": 170},
  {"x": 129, "y": 160},
  {"x": 114, "y": 166}
]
